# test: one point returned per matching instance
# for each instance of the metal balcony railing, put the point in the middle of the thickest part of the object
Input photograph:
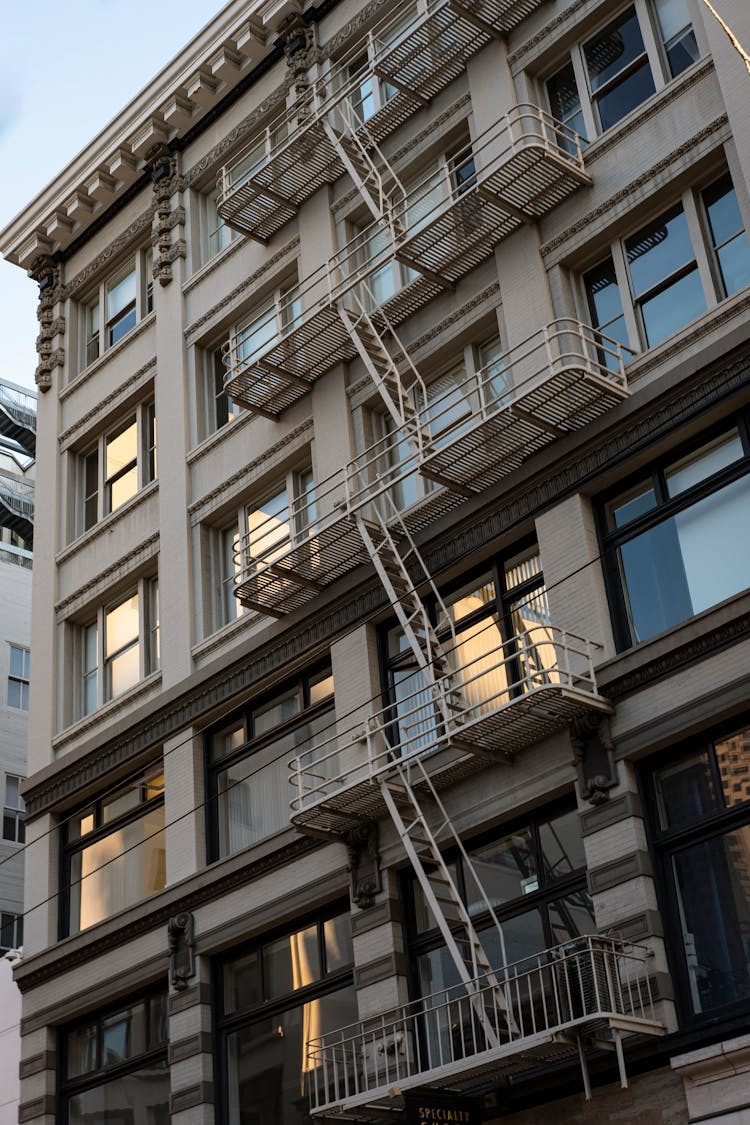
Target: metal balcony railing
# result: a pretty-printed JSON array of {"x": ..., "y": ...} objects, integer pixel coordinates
[
  {"x": 558, "y": 380},
  {"x": 588, "y": 986},
  {"x": 17, "y": 505},
  {"x": 502, "y": 695},
  {"x": 18, "y": 416}
]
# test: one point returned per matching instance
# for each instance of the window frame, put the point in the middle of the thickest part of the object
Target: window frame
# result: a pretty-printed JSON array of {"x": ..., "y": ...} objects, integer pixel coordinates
[
  {"x": 666, "y": 843},
  {"x": 15, "y": 921},
  {"x": 147, "y": 591},
  {"x": 665, "y": 507},
  {"x": 94, "y": 323},
  {"x": 252, "y": 745},
  {"x": 14, "y": 814},
  {"x": 101, "y": 829},
  {"x": 94, "y": 485},
  {"x": 23, "y": 681},
  {"x": 213, "y": 228}
]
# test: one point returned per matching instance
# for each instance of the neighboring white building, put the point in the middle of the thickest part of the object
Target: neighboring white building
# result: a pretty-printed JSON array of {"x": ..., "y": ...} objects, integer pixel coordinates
[
  {"x": 10, "y": 1042},
  {"x": 394, "y": 442}
]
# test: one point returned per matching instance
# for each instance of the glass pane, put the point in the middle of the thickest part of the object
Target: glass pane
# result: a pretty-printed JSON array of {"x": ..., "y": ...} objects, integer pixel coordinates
[
  {"x": 17, "y": 662},
  {"x": 129, "y": 1098},
  {"x": 618, "y": 44},
  {"x": 724, "y": 218},
  {"x": 562, "y": 846},
  {"x": 124, "y": 801},
  {"x": 337, "y": 935},
  {"x": 227, "y": 740},
  {"x": 625, "y": 95},
  {"x": 682, "y": 52},
  {"x": 506, "y": 868},
  {"x": 537, "y": 652},
  {"x": 268, "y": 528},
  {"x": 277, "y": 711},
  {"x": 658, "y": 250},
  {"x": 474, "y": 596},
  {"x": 121, "y": 869},
  {"x": 123, "y": 671},
  {"x": 603, "y": 294},
  {"x": 423, "y": 916},
  {"x": 522, "y": 568},
  {"x": 734, "y": 263},
  {"x": 12, "y": 795},
  {"x": 522, "y": 935},
  {"x": 121, "y": 292},
  {"x": 321, "y": 687},
  {"x": 290, "y": 963},
  {"x": 242, "y": 982},
  {"x": 675, "y": 570},
  {"x": 565, "y": 103},
  {"x": 713, "y": 896},
  {"x": 124, "y": 1035},
  {"x": 483, "y": 666},
  {"x": 158, "y": 1020},
  {"x": 673, "y": 16},
  {"x": 674, "y": 307},
  {"x": 685, "y": 791},
  {"x": 122, "y": 489},
  {"x": 733, "y": 759},
  {"x": 571, "y": 917},
  {"x": 121, "y": 449},
  {"x": 121, "y": 625},
  {"x": 631, "y": 505},
  {"x": 703, "y": 463},
  {"x": 82, "y": 1050},
  {"x": 268, "y": 1067}
]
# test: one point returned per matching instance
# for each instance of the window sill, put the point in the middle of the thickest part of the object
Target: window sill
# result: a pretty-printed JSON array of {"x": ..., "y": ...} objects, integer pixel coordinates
[
  {"x": 218, "y": 436},
  {"x": 87, "y": 373},
  {"x": 105, "y": 714},
  {"x": 227, "y": 634},
  {"x": 106, "y": 524}
]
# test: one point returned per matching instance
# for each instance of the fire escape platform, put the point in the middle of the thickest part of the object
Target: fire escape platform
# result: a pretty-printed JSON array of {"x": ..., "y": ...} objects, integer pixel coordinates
[
  {"x": 17, "y": 506},
  {"x": 501, "y": 14},
  {"x": 568, "y": 388}
]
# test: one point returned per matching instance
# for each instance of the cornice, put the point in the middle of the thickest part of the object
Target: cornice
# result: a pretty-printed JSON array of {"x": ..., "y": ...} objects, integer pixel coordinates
[
  {"x": 126, "y": 565},
  {"x": 608, "y": 206},
  {"x": 268, "y": 266},
  {"x": 304, "y": 640},
  {"x": 123, "y": 391}
]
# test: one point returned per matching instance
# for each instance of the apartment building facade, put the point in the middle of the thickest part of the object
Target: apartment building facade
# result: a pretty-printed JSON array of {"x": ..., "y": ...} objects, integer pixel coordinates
[
  {"x": 17, "y": 446},
  {"x": 392, "y": 756}
]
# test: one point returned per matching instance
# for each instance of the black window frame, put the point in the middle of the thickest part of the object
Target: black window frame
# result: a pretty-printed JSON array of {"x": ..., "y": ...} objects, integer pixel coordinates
[
  {"x": 156, "y": 1053},
  {"x": 101, "y": 829},
  {"x": 611, "y": 539},
  {"x": 226, "y": 1023},
  {"x": 11, "y": 925},
  {"x": 664, "y": 843},
  {"x": 251, "y": 744}
]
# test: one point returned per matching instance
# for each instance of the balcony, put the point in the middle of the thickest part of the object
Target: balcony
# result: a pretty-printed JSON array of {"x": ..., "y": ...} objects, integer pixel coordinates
[
  {"x": 17, "y": 505},
  {"x": 502, "y": 695},
  {"x": 585, "y": 995},
  {"x": 18, "y": 417},
  {"x": 519, "y": 169},
  {"x": 559, "y": 380}
]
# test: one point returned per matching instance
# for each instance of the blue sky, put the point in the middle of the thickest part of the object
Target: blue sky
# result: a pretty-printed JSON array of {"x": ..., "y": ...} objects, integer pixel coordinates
[{"x": 66, "y": 69}]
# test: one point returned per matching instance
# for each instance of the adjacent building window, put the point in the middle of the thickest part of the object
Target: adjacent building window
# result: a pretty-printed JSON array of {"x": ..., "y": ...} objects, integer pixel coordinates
[
  {"x": 677, "y": 538},
  {"x": 122, "y": 462},
  {"x": 668, "y": 273},
  {"x": 534, "y": 876},
  {"x": 120, "y": 646},
  {"x": 249, "y": 758},
  {"x": 18, "y": 677},
  {"x": 700, "y": 820},
  {"x": 274, "y": 998},
  {"x": 613, "y": 71},
  {"x": 11, "y": 931},
  {"x": 14, "y": 810},
  {"x": 120, "y": 301},
  {"x": 114, "y": 1065},
  {"x": 114, "y": 852}
]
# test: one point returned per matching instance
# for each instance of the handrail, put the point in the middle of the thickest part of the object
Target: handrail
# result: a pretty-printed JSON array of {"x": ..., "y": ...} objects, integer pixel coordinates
[{"x": 20, "y": 404}]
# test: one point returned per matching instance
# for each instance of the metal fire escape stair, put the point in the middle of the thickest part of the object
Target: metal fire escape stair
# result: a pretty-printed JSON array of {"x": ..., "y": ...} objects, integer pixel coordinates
[
  {"x": 377, "y": 183},
  {"x": 420, "y": 841}
]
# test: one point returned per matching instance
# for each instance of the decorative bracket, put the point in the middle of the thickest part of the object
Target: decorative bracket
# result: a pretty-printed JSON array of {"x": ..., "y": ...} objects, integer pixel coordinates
[
  {"x": 46, "y": 272},
  {"x": 594, "y": 754},
  {"x": 161, "y": 163},
  {"x": 180, "y": 931},
  {"x": 364, "y": 863}
]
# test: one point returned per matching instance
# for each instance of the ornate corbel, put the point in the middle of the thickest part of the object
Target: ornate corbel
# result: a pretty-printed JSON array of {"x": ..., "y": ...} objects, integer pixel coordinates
[
  {"x": 46, "y": 272},
  {"x": 161, "y": 163},
  {"x": 364, "y": 863},
  {"x": 594, "y": 755},
  {"x": 180, "y": 944},
  {"x": 297, "y": 37}
]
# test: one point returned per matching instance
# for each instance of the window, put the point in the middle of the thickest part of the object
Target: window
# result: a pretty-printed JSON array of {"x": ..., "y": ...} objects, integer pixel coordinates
[
  {"x": 275, "y": 997},
  {"x": 13, "y": 810},
  {"x": 18, "y": 677},
  {"x": 118, "y": 304},
  {"x": 249, "y": 757},
  {"x": 666, "y": 274},
  {"x": 282, "y": 520},
  {"x": 120, "y": 646},
  {"x": 11, "y": 931},
  {"x": 114, "y": 852},
  {"x": 533, "y": 875},
  {"x": 264, "y": 325},
  {"x": 677, "y": 537},
  {"x": 122, "y": 462},
  {"x": 114, "y": 1065},
  {"x": 699, "y": 801},
  {"x": 613, "y": 71},
  {"x": 216, "y": 234},
  {"x": 370, "y": 93}
]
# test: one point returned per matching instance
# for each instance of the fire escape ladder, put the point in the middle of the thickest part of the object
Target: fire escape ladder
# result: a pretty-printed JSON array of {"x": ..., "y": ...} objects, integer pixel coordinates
[
  {"x": 487, "y": 994},
  {"x": 397, "y": 380},
  {"x": 371, "y": 173}
]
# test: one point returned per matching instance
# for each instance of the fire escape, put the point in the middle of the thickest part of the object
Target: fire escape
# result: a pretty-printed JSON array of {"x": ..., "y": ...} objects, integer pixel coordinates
[
  {"x": 18, "y": 428},
  {"x": 468, "y": 710}
]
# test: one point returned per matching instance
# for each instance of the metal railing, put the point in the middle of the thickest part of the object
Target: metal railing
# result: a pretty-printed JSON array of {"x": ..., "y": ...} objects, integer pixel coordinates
[
  {"x": 501, "y": 695},
  {"x": 19, "y": 404},
  {"x": 17, "y": 494},
  {"x": 588, "y": 981}
]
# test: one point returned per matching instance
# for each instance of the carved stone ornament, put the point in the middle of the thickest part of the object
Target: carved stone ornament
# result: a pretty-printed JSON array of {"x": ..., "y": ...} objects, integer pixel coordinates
[
  {"x": 364, "y": 863},
  {"x": 298, "y": 40},
  {"x": 161, "y": 163},
  {"x": 180, "y": 943},
  {"x": 46, "y": 272},
  {"x": 594, "y": 754}
]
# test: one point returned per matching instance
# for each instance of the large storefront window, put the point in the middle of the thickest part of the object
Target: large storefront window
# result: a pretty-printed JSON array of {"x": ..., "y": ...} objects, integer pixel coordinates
[
  {"x": 249, "y": 758},
  {"x": 274, "y": 997},
  {"x": 114, "y": 1066},
  {"x": 700, "y": 816}
]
